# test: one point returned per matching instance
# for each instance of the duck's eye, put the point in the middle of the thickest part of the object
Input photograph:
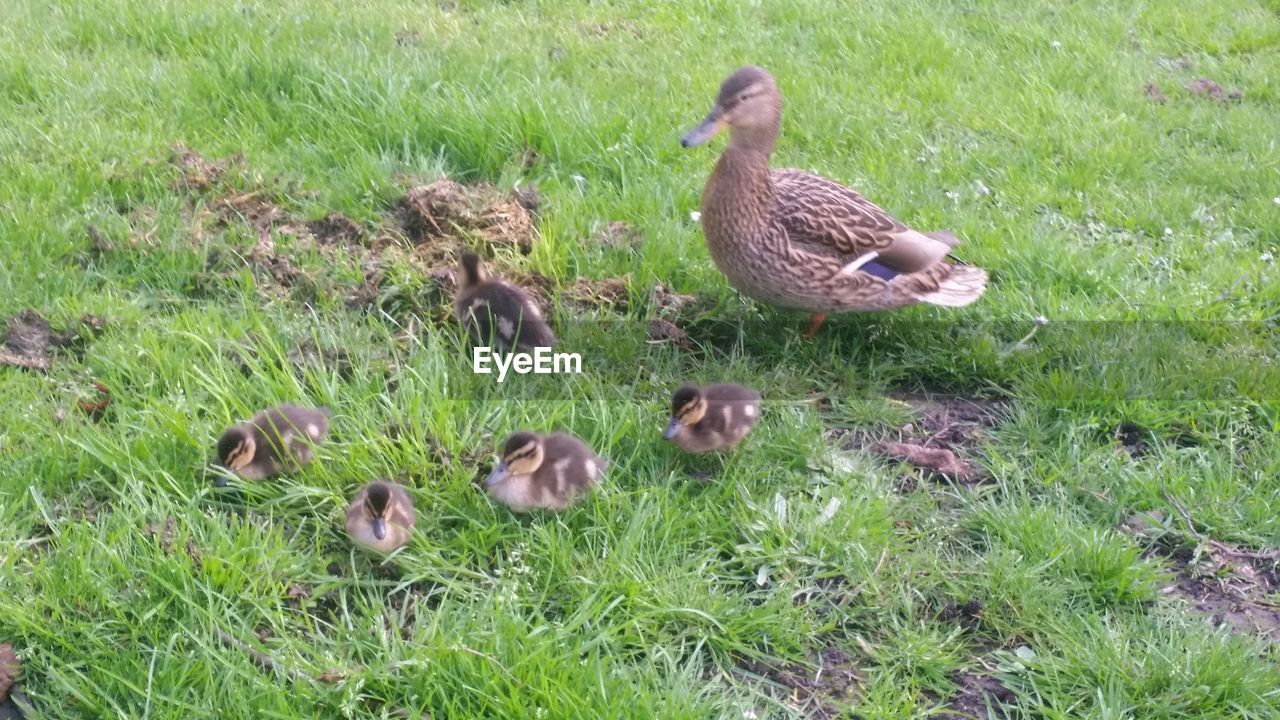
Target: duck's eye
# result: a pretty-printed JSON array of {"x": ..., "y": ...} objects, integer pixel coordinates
[{"x": 744, "y": 97}]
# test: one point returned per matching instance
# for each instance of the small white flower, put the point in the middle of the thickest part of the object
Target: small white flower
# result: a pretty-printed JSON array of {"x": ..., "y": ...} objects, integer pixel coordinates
[
  {"x": 1042, "y": 320},
  {"x": 1055, "y": 45},
  {"x": 1276, "y": 199},
  {"x": 695, "y": 216},
  {"x": 1266, "y": 257},
  {"x": 1168, "y": 232}
]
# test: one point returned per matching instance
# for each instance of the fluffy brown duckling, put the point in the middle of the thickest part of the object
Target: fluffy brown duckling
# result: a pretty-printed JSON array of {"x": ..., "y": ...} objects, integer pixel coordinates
[
  {"x": 275, "y": 440},
  {"x": 496, "y": 312},
  {"x": 380, "y": 517},
  {"x": 548, "y": 472},
  {"x": 715, "y": 417}
]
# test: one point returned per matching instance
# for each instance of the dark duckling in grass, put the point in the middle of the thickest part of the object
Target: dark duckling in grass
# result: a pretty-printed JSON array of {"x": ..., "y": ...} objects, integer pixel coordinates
[
  {"x": 274, "y": 441},
  {"x": 496, "y": 313}
]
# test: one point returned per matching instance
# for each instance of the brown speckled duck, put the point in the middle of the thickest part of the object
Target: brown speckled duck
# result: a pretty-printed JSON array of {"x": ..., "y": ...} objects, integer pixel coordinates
[
  {"x": 380, "y": 517},
  {"x": 548, "y": 472},
  {"x": 274, "y": 441},
  {"x": 498, "y": 313},
  {"x": 715, "y": 417},
  {"x": 799, "y": 241}
]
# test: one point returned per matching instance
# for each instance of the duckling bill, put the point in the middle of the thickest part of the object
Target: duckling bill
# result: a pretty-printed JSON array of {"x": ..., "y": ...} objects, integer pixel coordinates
[
  {"x": 550, "y": 472},
  {"x": 497, "y": 313},
  {"x": 796, "y": 240},
  {"x": 274, "y": 441},
  {"x": 380, "y": 517},
  {"x": 715, "y": 417}
]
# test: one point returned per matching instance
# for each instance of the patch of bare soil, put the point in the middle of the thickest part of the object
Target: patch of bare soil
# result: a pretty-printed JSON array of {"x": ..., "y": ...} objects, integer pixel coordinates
[
  {"x": 822, "y": 691},
  {"x": 977, "y": 697},
  {"x": 447, "y": 209},
  {"x": 29, "y": 340},
  {"x": 609, "y": 293},
  {"x": 337, "y": 229},
  {"x": 197, "y": 173},
  {"x": 944, "y": 434},
  {"x": 1233, "y": 601}
]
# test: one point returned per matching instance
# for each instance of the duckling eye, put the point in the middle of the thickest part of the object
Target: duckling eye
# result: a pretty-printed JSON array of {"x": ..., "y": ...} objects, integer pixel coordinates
[{"x": 744, "y": 97}]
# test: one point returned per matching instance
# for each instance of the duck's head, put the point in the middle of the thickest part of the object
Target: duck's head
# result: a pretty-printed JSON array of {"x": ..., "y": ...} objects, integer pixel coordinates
[
  {"x": 377, "y": 501},
  {"x": 688, "y": 407},
  {"x": 236, "y": 449},
  {"x": 521, "y": 455},
  {"x": 472, "y": 270},
  {"x": 748, "y": 105}
]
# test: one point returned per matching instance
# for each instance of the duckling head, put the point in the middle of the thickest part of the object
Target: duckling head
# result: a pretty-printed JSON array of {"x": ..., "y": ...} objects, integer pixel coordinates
[
  {"x": 688, "y": 407},
  {"x": 377, "y": 501},
  {"x": 473, "y": 272},
  {"x": 236, "y": 449},
  {"x": 748, "y": 105},
  {"x": 521, "y": 455}
]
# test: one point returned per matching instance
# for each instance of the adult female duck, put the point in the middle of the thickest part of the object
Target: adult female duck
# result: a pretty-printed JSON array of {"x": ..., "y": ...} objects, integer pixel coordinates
[{"x": 800, "y": 241}]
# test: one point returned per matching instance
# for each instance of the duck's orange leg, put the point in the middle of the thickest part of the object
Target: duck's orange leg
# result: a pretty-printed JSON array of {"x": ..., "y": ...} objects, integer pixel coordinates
[{"x": 815, "y": 323}]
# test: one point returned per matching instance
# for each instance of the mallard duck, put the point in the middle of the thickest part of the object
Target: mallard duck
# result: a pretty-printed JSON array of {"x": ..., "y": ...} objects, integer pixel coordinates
[
  {"x": 275, "y": 440},
  {"x": 380, "y": 517},
  {"x": 544, "y": 472},
  {"x": 800, "y": 241},
  {"x": 715, "y": 417},
  {"x": 497, "y": 312}
]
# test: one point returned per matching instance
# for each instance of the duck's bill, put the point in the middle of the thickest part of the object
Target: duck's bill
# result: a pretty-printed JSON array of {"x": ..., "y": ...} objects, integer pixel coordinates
[
  {"x": 380, "y": 528},
  {"x": 672, "y": 430},
  {"x": 707, "y": 130},
  {"x": 498, "y": 475}
]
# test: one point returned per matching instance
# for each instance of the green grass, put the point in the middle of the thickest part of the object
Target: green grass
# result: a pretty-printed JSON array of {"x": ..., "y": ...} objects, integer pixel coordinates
[{"x": 1022, "y": 126}]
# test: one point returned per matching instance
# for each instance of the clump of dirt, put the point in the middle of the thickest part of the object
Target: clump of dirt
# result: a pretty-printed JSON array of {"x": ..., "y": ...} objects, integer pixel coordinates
[
  {"x": 197, "y": 173},
  {"x": 254, "y": 208},
  {"x": 662, "y": 330},
  {"x": 336, "y": 229},
  {"x": 946, "y": 429},
  {"x": 609, "y": 293},
  {"x": 823, "y": 692},
  {"x": 528, "y": 195},
  {"x": 1155, "y": 94},
  {"x": 977, "y": 697},
  {"x": 967, "y": 615},
  {"x": 1212, "y": 90},
  {"x": 29, "y": 340},
  {"x": 446, "y": 209},
  {"x": 938, "y": 460},
  {"x": 10, "y": 668}
]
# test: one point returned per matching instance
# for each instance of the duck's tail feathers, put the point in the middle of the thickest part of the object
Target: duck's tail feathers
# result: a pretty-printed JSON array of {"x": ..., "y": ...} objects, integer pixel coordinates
[
  {"x": 963, "y": 285},
  {"x": 944, "y": 236}
]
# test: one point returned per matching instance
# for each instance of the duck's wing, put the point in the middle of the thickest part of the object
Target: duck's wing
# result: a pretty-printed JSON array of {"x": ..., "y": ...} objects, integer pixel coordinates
[{"x": 826, "y": 218}]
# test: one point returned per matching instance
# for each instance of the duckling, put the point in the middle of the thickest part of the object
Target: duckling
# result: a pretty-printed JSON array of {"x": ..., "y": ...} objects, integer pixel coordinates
[
  {"x": 716, "y": 417},
  {"x": 275, "y": 440},
  {"x": 380, "y": 517},
  {"x": 497, "y": 312},
  {"x": 800, "y": 241},
  {"x": 544, "y": 472}
]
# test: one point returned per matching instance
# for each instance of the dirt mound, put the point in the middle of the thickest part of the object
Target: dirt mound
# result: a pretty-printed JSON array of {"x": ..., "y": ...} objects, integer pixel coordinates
[
  {"x": 609, "y": 293},
  {"x": 29, "y": 340},
  {"x": 447, "y": 209},
  {"x": 977, "y": 697}
]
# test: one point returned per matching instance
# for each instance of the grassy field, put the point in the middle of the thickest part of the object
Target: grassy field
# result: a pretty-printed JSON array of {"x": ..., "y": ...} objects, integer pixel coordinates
[{"x": 165, "y": 166}]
